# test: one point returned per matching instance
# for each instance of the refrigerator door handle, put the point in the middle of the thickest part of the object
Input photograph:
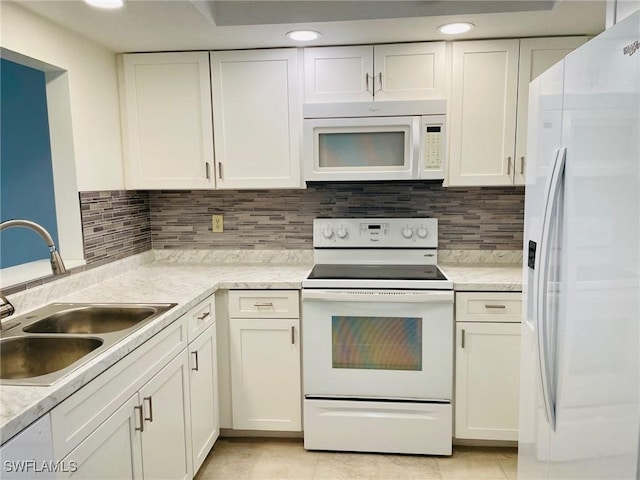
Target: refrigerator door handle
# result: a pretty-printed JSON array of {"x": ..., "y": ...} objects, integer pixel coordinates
[{"x": 542, "y": 324}]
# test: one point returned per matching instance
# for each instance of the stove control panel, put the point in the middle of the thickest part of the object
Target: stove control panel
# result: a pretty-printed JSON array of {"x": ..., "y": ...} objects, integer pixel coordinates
[{"x": 375, "y": 233}]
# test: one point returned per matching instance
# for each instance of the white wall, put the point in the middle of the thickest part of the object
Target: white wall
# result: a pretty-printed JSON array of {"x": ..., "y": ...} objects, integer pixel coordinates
[{"x": 93, "y": 91}]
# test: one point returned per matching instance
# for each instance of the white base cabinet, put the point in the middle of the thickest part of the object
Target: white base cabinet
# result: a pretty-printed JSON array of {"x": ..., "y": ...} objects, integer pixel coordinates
[
  {"x": 265, "y": 360},
  {"x": 113, "y": 450},
  {"x": 152, "y": 415},
  {"x": 487, "y": 369},
  {"x": 166, "y": 430},
  {"x": 205, "y": 427}
]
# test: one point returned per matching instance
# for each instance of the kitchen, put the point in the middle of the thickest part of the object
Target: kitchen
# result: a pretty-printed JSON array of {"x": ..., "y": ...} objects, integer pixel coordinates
[{"x": 484, "y": 222}]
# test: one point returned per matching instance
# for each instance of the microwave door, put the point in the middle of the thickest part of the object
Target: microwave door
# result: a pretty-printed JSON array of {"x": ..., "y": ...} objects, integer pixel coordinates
[{"x": 385, "y": 148}]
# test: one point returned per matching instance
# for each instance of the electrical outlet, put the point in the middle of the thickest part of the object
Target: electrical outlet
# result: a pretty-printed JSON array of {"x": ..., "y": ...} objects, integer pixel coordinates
[{"x": 217, "y": 224}]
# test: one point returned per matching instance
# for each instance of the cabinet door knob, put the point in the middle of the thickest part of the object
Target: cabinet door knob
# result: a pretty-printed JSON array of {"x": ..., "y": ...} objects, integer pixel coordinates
[
  {"x": 462, "y": 339},
  {"x": 379, "y": 82},
  {"x": 366, "y": 81},
  {"x": 522, "y": 165},
  {"x": 293, "y": 335},
  {"x": 508, "y": 165}
]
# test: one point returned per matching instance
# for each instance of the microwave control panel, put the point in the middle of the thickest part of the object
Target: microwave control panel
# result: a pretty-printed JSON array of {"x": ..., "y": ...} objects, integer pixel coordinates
[{"x": 433, "y": 147}]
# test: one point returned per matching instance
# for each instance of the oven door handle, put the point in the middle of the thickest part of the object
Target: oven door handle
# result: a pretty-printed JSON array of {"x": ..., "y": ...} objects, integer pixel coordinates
[{"x": 404, "y": 296}]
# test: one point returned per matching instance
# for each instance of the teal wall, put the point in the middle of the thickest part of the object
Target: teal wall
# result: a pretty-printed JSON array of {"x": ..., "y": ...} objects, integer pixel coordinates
[{"x": 26, "y": 175}]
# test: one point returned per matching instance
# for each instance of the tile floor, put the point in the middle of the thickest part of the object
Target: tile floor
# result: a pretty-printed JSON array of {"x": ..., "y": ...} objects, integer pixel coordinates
[{"x": 277, "y": 459}]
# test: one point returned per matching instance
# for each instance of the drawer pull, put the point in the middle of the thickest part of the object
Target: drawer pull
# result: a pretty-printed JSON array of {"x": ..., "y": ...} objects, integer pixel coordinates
[
  {"x": 195, "y": 369},
  {"x": 263, "y": 304},
  {"x": 501, "y": 307},
  {"x": 141, "y": 427},
  {"x": 204, "y": 315},
  {"x": 150, "y": 417}
]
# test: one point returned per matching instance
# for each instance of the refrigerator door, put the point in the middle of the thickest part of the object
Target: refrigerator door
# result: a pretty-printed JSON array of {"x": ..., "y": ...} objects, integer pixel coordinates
[
  {"x": 597, "y": 363},
  {"x": 545, "y": 136}
]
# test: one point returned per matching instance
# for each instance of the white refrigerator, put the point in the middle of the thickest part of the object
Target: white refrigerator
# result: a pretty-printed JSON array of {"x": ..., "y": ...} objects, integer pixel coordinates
[{"x": 580, "y": 370}]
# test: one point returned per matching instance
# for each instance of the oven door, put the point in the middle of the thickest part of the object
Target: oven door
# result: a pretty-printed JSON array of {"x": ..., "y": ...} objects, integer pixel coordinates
[{"x": 377, "y": 344}]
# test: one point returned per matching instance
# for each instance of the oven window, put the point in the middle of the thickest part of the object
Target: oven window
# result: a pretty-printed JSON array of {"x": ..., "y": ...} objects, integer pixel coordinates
[
  {"x": 381, "y": 343},
  {"x": 361, "y": 149}
]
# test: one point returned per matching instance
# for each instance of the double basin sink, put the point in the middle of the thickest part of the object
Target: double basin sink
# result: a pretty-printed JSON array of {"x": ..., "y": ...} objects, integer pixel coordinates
[{"x": 43, "y": 346}]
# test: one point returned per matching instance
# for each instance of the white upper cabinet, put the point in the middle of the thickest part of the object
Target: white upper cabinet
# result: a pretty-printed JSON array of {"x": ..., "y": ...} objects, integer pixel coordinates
[
  {"x": 483, "y": 112},
  {"x": 256, "y": 116},
  {"x": 381, "y": 72},
  {"x": 536, "y": 56},
  {"x": 489, "y": 97},
  {"x": 166, "y": 117}
]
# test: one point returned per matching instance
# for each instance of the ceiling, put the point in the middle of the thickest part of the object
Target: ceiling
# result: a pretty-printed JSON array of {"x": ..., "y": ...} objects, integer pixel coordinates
[{"x": 152, "y": 25}]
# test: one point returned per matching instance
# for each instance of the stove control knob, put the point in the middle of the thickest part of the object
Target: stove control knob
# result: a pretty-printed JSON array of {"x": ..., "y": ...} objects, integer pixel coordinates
[
  {"x": 342, "y": 232},
  {"x": 422, "y": 232},
  {"x": 327, "y": 232},
  {"x": 407, "y": 233}
]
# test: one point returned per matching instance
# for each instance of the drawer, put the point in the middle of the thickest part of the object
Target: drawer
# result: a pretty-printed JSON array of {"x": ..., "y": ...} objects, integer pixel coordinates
[
  {"x": 200, "y": 317},
  {"x": 488, "y": 306},
  {"x": 264, "y": 304}
]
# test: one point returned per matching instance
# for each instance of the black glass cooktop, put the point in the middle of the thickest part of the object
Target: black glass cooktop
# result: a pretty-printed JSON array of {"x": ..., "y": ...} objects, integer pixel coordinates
[{"x": 376, "y": 272}]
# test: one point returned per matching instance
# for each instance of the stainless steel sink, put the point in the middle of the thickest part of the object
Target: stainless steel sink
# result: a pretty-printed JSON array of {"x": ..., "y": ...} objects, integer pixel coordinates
[
  {"x": 28, "y": 357},
  {"x": 92, "y": 319},
  {"x": 43, "y": 346}
]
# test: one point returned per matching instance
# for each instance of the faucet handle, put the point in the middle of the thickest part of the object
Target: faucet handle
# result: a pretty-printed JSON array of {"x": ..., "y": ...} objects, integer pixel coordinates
[{"x": 6, "y": 309}]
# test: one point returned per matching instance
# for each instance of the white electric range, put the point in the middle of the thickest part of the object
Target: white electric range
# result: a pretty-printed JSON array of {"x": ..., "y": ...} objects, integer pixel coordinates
[{"x": 377, "y": 338}]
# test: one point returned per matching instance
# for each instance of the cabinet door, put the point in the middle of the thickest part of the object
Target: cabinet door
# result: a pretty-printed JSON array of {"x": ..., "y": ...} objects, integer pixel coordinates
[
  {"x": 338, "y": 74},
  {"x": 256, "y": 116},
  {"x": 536, "y": 56},
  {"x": 203, "y": 382},
  {"x": 166, "y": 440},
  {"x": 483, "y": 112},
  {"x": 111, "y": 451},
  {"x": 166, "y": 116},
  {"x": 409, "y": 71},
  {"x": 487, "y": 380},
  {"x": 265, "y": 374}
]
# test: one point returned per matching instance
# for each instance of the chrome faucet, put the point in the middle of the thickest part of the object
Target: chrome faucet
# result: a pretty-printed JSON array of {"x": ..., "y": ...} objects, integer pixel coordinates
[{"x": 57, "y": 266}]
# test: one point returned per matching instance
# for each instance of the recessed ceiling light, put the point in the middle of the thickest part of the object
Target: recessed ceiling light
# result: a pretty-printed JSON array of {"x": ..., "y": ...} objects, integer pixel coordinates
[
  {"x": 455, "y": 28},
  {"x": 107, "y": 4},
  {"x": 303, "y": 35}
]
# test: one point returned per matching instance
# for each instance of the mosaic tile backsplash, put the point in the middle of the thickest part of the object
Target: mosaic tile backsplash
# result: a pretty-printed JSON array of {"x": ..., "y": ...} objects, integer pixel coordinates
[
  {"x": 474, "y": 218},
  {"x": 115, "y": 224}
]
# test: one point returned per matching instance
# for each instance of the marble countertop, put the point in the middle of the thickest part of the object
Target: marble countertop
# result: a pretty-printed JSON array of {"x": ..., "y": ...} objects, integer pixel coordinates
[
  {"x": 484, "y": 277},
  {"x": 185, "y": 285}
]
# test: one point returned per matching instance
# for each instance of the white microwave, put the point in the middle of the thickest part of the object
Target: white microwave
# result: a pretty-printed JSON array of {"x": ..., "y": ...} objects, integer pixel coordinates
[{"x": 374, "y": 141}]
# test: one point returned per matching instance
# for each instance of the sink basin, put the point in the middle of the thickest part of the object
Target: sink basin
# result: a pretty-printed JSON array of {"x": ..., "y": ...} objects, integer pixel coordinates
[
  {"x": 27, "y": 357},
  {"x": 92, "y": 319},
  {"x": 41, "y": 347}
]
